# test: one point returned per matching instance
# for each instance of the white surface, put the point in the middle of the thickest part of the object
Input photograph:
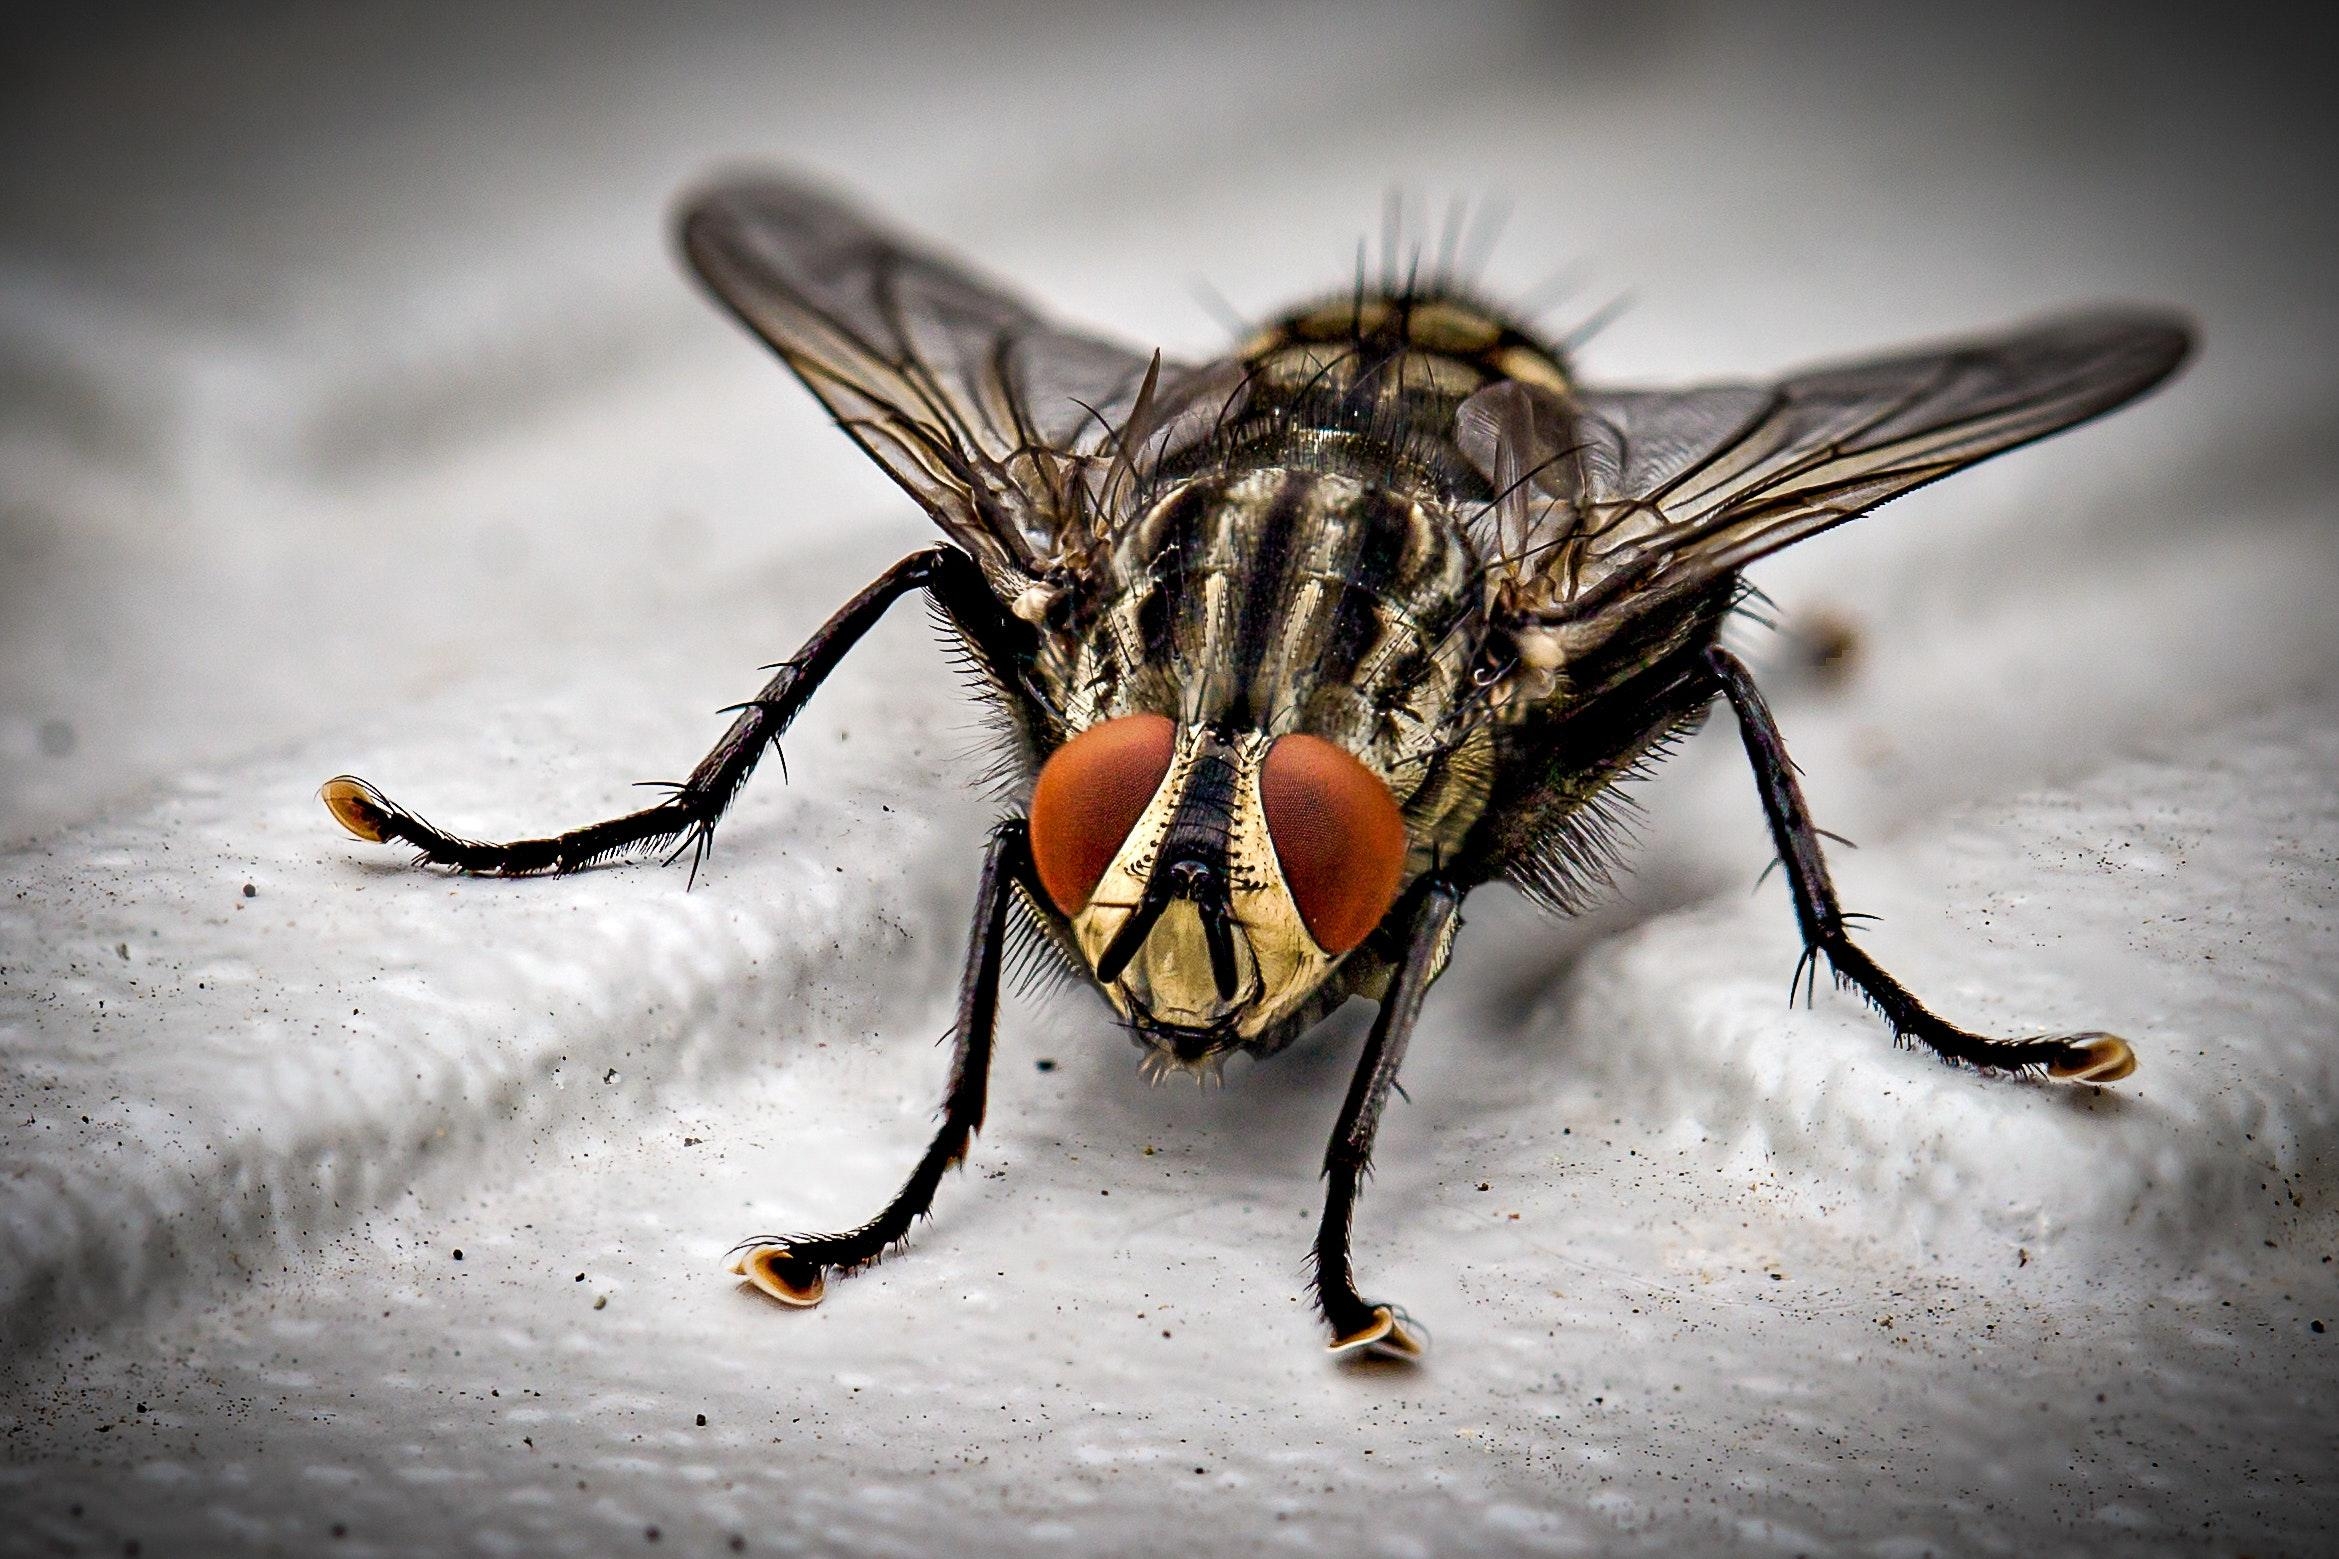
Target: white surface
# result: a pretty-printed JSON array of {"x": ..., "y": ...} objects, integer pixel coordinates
[{"x": 369, "y": 429}]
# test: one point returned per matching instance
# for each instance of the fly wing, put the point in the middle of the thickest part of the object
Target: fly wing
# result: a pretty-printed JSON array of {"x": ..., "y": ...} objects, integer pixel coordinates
[
  {"x": 1640, "y": 497},
  {"x": 985, "y": 411}
]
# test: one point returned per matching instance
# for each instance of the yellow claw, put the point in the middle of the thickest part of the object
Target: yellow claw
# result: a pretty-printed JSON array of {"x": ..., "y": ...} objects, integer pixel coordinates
[
  {"x": 356, "y": 806},
  {"x": 2094, "y": 1058},
  {"x": 1389, "y": 1336},
  {"x": 761, "y": 1266}
]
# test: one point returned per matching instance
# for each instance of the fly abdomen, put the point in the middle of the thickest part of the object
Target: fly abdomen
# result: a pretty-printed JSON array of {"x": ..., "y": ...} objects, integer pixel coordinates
[{"x": 1378, "y": 350}]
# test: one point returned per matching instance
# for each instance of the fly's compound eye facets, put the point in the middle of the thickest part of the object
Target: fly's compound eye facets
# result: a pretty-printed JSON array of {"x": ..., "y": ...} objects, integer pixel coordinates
[
  {"x": 1339, "y": 837},
  {"x": 1090, "y": 794}
]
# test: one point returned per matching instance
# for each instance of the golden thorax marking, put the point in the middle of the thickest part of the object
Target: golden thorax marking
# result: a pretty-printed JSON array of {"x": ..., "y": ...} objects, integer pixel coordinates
[
  {"x": 1441, "y": 325},
  {"x": 1530, "y": 366}
]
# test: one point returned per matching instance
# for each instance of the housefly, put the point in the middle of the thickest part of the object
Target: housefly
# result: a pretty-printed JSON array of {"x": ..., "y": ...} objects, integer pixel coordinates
[{"x": 1300, "y": 646}]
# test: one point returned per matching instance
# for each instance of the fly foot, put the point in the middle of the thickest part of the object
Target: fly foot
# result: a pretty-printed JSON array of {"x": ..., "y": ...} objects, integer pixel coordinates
[
  {"x": 358, "y": 807},
  {"x": 1385, "y": 1333},
  {"x": 779, "y": 1272},
  {"x": 2091, "y": 1058}
]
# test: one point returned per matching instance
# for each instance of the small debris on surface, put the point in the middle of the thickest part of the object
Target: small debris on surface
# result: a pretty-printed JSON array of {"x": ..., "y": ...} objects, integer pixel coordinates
[
  {"x": 1830, "y": 645},
  {"x": 458, "y": 1255},
  {"x": 702, "y": 1420},
  {"x": 1045, "y": 1064},
  {"x": 251, "y": 892},
  {"x": 600, "y": 1301}
]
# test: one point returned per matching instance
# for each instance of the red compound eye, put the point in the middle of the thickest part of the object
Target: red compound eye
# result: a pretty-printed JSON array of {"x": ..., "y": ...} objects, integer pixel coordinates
[
  {"x": 1338, "y": 834},
  {"x": 1090, "y": 794}
]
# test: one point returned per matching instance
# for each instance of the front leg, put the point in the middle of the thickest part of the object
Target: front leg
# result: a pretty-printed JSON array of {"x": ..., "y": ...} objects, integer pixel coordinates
[
  {"x": 1361, "y": 1325},
  {"x": 793, "y": 1268},
  {"x": 2087, "y": 1057},
  {"x": 686, "y": 819}
]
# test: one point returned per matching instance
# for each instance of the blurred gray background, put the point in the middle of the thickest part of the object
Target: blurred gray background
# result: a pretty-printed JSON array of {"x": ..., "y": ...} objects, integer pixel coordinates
[
  {"x": 278, "y": 284},
  {"x": 355, "y": 415}
]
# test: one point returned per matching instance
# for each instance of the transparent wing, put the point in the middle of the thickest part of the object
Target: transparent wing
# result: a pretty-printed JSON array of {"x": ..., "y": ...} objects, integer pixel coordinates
[
  {"x": 978, "y": 406},
  {"x": 1626, "y": 499}
]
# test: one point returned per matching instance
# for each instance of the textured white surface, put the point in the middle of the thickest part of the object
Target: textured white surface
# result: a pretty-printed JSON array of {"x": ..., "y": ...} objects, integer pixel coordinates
[{"x": 327, "y": 450}]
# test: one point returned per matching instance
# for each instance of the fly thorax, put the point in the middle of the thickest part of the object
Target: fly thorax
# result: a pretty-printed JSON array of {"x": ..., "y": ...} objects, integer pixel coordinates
[{"x": 1282, "y": 598}]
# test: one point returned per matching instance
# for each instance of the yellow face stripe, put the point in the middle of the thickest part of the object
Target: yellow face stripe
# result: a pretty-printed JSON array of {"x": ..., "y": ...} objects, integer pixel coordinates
[{"x": 1277, "y": 964}]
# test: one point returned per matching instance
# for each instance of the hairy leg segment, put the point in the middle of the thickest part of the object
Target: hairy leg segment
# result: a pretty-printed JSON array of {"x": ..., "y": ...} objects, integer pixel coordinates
[
  {"x": 1359, "y": 1325},
  {"x": 685, "y": 820},
  {"x": 793, "y": 1268},
  {"x": 2085, "y": 1057}
]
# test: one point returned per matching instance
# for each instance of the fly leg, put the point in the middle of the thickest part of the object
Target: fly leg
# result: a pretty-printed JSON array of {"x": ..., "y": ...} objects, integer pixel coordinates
[
  {"x": 1360, "y": 1324},
  {"x": 2086, "y": 1057},
  {"x": 686, "y": 819},
  {"x": 793, "y": 1268}
]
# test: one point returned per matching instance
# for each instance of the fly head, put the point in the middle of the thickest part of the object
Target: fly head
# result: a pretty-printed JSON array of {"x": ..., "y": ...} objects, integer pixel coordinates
[{"x": 1213, "y": 879}]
